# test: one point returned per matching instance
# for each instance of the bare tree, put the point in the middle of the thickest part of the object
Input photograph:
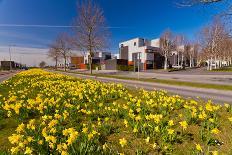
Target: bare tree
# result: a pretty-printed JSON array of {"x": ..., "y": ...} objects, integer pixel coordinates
[
  {"x": 227, "y": 3},
  {"x": 42, "y": 64},
  {"x": 91, "y": 31},
  {"x": 166, "y": 45},
  {"x": 54, "y": 54},
  {"x": 191, "y": 53},
  {"x": 63, "y": 47},
  {"x": 212, "y": 38},
  {"x": 195, "y": 2},
  {"x": 179, "y": 42}
]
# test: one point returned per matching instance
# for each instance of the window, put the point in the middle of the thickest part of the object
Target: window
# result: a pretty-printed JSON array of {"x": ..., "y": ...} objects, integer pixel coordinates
[{"x": 134, "y": 43}]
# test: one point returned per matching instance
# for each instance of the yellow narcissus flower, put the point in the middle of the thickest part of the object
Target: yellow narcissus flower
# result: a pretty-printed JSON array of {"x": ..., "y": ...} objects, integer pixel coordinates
[
  {"x": 171, "y": 123},
  {"x": 126, "y": 122},
  {"x": 14, "y": 150},
  {"x": 157, "y": 129},
  {"x": 59, "y": 147},
  {"x": 184, "y": 125},
  {"x": 226, "y": 105},
  {"x": 215, "y": 131},
  {"x": 154, "y": 145},
  {"x": 28, "y": 151},
  {"x": 230, "y": 119},
  {"x": 209, "y": 107},
  {"x": 147, "y": 139},
  {"x": 135, "y": 130},
  {"x": 215, "y": 153},
  {"x": 122, "y": 142},
  {"x": 104, "y": 146},
  {"x": 85, "y": 130},
  {"x": 138, "y": 118},
  {"x": 20, "y": 128},
  {"x": 211, "y": 120},
  {"x": 90, "y": 136},
  {"x": 29, "y": 139},
  {"x": 9, "y": 113},
  {"x": 40, "y": 142},
  {"x": 198, "y": 147},
  {"x": 202, "y": 115},
  {"x": 15, "y": 138},
  {"x": 170, "y": 131}
]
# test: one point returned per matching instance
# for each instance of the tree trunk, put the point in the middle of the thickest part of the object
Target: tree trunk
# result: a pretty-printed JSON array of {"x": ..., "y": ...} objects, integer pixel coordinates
[
  {"x": 211, "y": 62},
  {"x": 190, "y": 65},
  {"x": 65, "y": 63},
  {"x": 90, "y": 65},
  {"x": 182, "y": 59},
  {"x": 193, "y": 64},
  {"x": 56, "y": 65},
  {"x": 215, "y": 62},
  {"x": 208, "y": 64},
  {"x": 165, "y": 62},
  {"x": 178, "y": 59}
]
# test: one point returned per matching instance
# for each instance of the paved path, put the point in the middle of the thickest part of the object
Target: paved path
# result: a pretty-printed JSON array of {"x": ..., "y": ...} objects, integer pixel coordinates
[
  {"x": 6, "y": 76},
  {"x": 219, "y": 96}
]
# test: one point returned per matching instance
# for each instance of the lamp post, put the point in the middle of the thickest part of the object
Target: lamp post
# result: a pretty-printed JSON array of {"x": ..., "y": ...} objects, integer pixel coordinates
[
  {"x": 138, "y": 63},
  {"x": 10, "y": 56}
]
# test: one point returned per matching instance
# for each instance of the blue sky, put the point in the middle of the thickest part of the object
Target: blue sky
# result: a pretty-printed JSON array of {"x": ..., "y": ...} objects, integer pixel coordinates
[{"x": 134, "y": 18}]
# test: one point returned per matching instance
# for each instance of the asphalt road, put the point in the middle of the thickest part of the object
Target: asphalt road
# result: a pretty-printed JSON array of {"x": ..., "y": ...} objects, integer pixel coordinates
[
  {"x": 217, "y": 96},
  {"x": 6, "y": 76}
]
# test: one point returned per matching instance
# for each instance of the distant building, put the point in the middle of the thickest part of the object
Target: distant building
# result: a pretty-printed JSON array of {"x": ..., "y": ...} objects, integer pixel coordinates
[
  {"x": 77, "y": 62},
  {"x": 81, "y": 61},
  {"x": 142, "y": 51},
  {"x": 7, "y": 65},
  {"x": 114, "y": 64},
  {"x": 98, "y": 58},
  {"x": 115, "y": 56}
]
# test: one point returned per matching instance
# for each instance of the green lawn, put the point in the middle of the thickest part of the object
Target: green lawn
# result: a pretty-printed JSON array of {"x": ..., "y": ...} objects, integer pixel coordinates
[
  {"x": 140, "y": 103},
  {"x": 225, "y": 69}
]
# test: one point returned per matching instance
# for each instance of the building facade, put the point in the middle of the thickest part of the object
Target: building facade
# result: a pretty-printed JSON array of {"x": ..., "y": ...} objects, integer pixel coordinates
[
  {"x": 98, "y": 58},
  {"x": 143, "y": 53}
]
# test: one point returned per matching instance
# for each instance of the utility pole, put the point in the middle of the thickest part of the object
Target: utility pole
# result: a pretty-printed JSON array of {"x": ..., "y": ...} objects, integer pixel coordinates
[{"x": 10, "y": 58}]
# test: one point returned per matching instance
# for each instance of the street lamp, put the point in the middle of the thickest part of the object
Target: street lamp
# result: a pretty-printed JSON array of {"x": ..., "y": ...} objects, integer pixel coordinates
[
  {"x": 10, "y": 56},
  {"x": 138, "y": 63}
]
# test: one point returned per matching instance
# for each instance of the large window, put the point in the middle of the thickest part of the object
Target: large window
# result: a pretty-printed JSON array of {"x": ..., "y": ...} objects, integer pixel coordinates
[{"x": 134, "y": 43}]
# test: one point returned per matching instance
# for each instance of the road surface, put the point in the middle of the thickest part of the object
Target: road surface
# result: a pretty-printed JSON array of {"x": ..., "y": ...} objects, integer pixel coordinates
[
  {"x": 217, "y": 96},
  {"x": 5, "y": 76},
  {"x": 199, "y": 75}
]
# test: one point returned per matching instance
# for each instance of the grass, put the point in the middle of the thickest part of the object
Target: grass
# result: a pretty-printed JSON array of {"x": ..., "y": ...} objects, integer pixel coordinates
[
  {"x": 224, "y": 69},
  {"x": 162, "y": 81},
  {"x": 8, "y": 125}
]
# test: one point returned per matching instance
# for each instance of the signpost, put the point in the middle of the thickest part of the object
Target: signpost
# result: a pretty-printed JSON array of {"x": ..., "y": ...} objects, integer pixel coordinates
[{"x": 138, "y": 63}]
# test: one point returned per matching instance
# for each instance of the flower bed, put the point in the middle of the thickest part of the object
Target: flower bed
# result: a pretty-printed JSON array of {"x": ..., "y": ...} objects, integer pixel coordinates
[{"x": 58, "y": 114}]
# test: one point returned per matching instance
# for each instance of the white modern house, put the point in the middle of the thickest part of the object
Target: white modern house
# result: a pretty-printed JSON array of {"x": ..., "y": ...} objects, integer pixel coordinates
[
  {"x": 98, "y": 57},
  {"x": 141, "y": 51}
]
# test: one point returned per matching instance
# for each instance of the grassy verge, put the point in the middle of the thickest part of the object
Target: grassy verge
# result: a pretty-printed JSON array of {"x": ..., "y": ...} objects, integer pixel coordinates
[
  {"x": 150, "y": 122},
  {"x": 225, "y": 69},
  {"x": 168, "y": 82}
]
